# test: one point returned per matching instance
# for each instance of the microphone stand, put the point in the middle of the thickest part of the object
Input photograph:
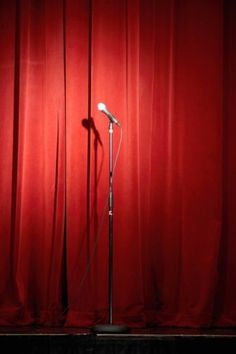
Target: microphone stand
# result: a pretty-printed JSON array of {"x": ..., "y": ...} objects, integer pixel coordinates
[{"x": 110, "y": 327}]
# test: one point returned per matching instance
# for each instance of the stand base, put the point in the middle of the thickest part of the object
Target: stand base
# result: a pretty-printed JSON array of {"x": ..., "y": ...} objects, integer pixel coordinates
[{"x": 110, "y": 328}]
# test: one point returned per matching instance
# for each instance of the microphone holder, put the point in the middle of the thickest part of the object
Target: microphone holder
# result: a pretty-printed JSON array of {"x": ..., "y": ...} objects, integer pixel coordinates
[{"x": 110, "y": 327}]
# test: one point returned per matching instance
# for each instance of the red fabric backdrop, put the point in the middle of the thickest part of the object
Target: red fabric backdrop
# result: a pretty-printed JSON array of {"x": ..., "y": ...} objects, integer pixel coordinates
[{"x": 166, "y": 69}]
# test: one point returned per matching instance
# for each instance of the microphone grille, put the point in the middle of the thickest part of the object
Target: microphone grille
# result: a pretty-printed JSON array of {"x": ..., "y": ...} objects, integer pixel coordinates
[{"x": 101, "y": 106}]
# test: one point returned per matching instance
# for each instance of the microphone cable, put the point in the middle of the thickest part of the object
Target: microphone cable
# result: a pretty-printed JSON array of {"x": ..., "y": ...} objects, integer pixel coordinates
[
  {"x": 100, "y": 226},
  {"x": 98, "y": 234}
]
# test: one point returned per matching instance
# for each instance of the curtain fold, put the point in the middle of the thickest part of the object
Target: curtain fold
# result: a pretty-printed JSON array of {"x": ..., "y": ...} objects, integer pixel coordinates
[{"x": 166, "y": 69}]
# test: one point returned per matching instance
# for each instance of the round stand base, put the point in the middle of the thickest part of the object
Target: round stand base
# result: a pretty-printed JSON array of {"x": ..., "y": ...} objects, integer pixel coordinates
[{"x": 110, "y": 328}]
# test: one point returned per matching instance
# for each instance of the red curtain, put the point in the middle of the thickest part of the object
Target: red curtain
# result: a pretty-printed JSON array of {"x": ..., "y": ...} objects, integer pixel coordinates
[{"x": 166, "y": 69}]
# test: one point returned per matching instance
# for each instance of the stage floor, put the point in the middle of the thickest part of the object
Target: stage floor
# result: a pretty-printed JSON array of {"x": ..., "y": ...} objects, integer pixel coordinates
[
  {"x": 157, "y": 332},
  {"x": 38, "y": 340}
]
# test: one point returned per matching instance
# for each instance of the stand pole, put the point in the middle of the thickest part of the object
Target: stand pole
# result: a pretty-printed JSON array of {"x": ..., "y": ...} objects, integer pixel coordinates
[
  {"x": 110, "y": 327},
  {"x": 110, "y": 213}
]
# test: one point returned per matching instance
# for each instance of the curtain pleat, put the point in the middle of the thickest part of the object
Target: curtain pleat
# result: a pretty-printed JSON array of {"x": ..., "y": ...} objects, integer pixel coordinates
[{"x": 166, "y": 70}]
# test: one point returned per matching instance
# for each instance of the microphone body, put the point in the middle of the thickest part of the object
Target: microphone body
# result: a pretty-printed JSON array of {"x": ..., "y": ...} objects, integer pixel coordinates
[{"x": 102, "y": 108}]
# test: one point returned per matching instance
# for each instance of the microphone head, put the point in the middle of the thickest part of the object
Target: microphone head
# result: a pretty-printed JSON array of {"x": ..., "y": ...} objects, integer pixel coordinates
[{"x": 101, "y": 106}]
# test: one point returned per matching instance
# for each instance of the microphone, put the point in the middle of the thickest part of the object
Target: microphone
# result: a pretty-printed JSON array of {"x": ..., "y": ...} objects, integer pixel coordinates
[{"x": 102, "y": 108}]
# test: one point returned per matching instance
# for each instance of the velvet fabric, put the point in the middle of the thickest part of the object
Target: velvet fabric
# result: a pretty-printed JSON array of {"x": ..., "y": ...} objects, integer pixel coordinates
[{"x": 166, "y": 70}]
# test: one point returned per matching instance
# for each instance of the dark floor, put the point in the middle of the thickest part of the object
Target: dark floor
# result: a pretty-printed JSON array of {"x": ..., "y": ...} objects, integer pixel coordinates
[
  {"x": 37, "y": 340},
  {"x": 159, "y": 332}
]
